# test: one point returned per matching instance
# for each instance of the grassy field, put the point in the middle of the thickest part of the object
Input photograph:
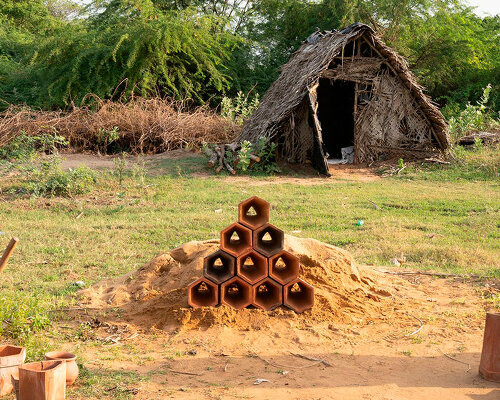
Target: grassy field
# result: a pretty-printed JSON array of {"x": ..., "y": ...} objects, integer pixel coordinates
[{"x": 437, "y": 217}]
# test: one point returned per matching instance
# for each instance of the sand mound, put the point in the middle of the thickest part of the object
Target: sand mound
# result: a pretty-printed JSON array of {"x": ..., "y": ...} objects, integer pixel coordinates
[{"x": 156, "y": 294}]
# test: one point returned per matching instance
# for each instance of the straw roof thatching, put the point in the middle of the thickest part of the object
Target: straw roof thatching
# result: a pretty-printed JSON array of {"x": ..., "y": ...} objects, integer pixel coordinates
[{"x": 286, "y": 95}]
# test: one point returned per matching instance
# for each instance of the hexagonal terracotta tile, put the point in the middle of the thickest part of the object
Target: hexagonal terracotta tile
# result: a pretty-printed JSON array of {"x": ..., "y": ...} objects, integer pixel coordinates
[
  {"x": 219, "y": 266},
  {"x": 236, "y": 293},
  {"x": 267, "y": 294},
  {"x": 268, "y": 240},
  {"x": 203, "y": 293},
  {"x": 251, "y": 266},
  {"x": 236, "y": 239},
  {"x": 254, "y": 212},
  {"x": 298, "y": 295},
  {"x": 284, "y": 267}
]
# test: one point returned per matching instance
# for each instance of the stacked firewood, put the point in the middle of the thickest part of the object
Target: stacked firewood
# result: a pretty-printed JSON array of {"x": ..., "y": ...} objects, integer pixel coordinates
[{"x": 225, "y": 156}]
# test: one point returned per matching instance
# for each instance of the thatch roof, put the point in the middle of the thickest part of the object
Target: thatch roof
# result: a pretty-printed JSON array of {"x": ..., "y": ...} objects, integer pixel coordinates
[{"x": 304, "y": 69}]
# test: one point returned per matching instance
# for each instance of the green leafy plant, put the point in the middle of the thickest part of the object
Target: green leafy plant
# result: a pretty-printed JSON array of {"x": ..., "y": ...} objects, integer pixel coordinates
[
  {"x": 473, "y": 117},
  {"x": 267, "y": 152},
  {"x": 244, "y": 155},
  {"x": 105, "y": 137},
  {"x": 239, "y": 108},
  {"x": 120, "y": 166},
  {"x": 22, "y": 316},
  {"x": 47, "y": 178},
  {"x": 24, "y": 147}
]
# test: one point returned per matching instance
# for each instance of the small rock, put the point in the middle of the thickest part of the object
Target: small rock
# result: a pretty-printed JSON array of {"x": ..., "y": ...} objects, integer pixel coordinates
[
  {"x": 259, "y": 381},
  {"x": 79, "y": 283}
]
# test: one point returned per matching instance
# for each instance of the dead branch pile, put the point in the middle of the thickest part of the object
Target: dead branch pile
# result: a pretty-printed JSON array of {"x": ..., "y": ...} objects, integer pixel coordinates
[{"x": 143, "y": 125}]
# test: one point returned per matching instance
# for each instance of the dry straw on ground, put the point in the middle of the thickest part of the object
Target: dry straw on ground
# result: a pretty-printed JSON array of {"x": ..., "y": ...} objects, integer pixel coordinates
[{"x": 144, "y": 125}]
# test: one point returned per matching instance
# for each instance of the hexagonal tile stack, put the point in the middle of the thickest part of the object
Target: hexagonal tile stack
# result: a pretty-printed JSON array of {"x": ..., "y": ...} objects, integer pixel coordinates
[{"x": 251, "y": 267}]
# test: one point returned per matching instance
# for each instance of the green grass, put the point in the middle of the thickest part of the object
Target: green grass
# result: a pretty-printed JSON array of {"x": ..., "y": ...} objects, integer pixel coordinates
[{"x": 437, "y": 221}]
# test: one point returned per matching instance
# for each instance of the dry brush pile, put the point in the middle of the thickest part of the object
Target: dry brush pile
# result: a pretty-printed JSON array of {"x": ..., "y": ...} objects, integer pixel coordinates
[{"x": 141, "y": 125}]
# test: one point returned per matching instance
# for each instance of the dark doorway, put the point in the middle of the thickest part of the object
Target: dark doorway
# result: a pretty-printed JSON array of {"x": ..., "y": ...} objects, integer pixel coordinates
[{"x": 336, "y": 115}]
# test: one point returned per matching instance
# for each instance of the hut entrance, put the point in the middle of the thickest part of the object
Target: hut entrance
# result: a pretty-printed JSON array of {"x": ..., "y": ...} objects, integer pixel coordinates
[{"x": 336, "y": 115}]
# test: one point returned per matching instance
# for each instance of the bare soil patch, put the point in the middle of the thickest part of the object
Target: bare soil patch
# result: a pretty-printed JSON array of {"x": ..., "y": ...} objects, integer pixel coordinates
[
  {"x": 153, "y": 162},
  {"x": 97, "y": 161}
]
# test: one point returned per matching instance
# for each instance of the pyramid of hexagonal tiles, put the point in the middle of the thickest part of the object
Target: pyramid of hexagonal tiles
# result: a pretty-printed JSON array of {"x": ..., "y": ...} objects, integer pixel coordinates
[{"x": 251, "y": 267}]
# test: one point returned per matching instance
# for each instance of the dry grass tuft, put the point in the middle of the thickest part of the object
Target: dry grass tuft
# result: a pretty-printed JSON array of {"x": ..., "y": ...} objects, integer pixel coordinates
[{"x": 144, "y": 125}]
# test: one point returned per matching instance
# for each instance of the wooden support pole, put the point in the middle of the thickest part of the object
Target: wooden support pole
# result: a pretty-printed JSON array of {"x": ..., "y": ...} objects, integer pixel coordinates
[{"x": 7, "y": 253}]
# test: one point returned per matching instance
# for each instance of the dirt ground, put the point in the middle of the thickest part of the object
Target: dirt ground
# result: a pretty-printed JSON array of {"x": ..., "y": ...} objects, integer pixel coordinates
[
  {"x": 154, "y": 165},
  {"x": 420, "y": 339}
]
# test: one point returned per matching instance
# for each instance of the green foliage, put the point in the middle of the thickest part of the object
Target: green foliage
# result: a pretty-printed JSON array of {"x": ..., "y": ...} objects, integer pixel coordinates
[
  {"x": 107, "y": 137},
  {"x": 120, "y": 166},
  {"x": 24, "y": 147},
  {"x": 123, "y": 48},
  {"x": 53, "y": 54},
  {"x": 21, "y": 316},
  {"x": 477, "y": 163},
  {"x": 47, "y": 178},
  {"x": 473, "y": 117},
  {"x": 244, "y": 155},
  {"x": 239, "y": 108},
  {"x": 263, "y": 149},
  {"x": 267, "y": 153}
]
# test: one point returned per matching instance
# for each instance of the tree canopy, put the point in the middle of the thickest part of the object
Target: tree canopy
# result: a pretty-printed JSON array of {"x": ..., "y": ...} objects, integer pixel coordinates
[{"x": 55, "y": 52}]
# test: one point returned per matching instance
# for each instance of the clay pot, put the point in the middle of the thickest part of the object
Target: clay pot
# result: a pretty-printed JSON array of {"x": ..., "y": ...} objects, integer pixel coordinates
[
  {"x": 71, "y": 365},
  {"x": 45, "y": 380},
  {"x": 489, "y": 367},
  {"x": 11, "y": 357}
]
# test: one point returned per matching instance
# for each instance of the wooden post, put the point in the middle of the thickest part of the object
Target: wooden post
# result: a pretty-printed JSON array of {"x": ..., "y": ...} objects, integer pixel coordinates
[{"x": 7, "y": 253}]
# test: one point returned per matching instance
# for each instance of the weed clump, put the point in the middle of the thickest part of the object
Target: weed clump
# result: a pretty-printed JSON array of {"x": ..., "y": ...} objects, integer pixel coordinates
[{"x": 37, "y": 161}]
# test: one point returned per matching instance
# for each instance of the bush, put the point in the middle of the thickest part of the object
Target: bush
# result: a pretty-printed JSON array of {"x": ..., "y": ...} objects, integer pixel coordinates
[
  {"x": 48, "y": 179},
  {"x": 21, "y": 316},
  {"x": 239, "y": 108},
  {"x": 24, "y": 147},
  {"x": 473, "y": 117}
]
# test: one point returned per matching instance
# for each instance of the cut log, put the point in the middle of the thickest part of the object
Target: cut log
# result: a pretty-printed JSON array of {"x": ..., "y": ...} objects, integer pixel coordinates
[
  {"x": 255, "y": 158},
  {"x": 213, "y": 160},
  {"x": 220, "y": 153},
  {"x": 229, "y": 168}
]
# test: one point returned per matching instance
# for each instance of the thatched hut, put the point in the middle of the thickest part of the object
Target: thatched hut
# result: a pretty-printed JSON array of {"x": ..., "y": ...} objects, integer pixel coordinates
[{"x": 346, "y": 91}]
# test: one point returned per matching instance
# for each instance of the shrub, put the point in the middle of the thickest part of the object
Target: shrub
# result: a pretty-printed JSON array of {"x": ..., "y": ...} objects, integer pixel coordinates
[
  {"x": 48, "y": 179},
  {"x": 473, "y": 117},
  {"x": 24, "y": 146},
  {"x": 239, "y": 108},
  {"x": 21, "y": 316}
]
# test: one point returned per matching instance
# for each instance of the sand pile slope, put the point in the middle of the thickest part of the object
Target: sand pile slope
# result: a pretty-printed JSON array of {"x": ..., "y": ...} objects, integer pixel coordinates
[{"x": 156, "y": 294}]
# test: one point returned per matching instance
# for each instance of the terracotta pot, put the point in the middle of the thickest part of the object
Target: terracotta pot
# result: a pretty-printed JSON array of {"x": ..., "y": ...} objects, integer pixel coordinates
[
  {"x": 489, "y": 367},
  {"x": 71, "y": 365},
  {"x": 235, "y": 239},
  {"x": 11, "y": 357},
  {"x": 236, "y": 293},
  {"x": 45, "y": 380},
  {"x": 284, "y": 267},
  {"x": 252, "y": 266}
]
